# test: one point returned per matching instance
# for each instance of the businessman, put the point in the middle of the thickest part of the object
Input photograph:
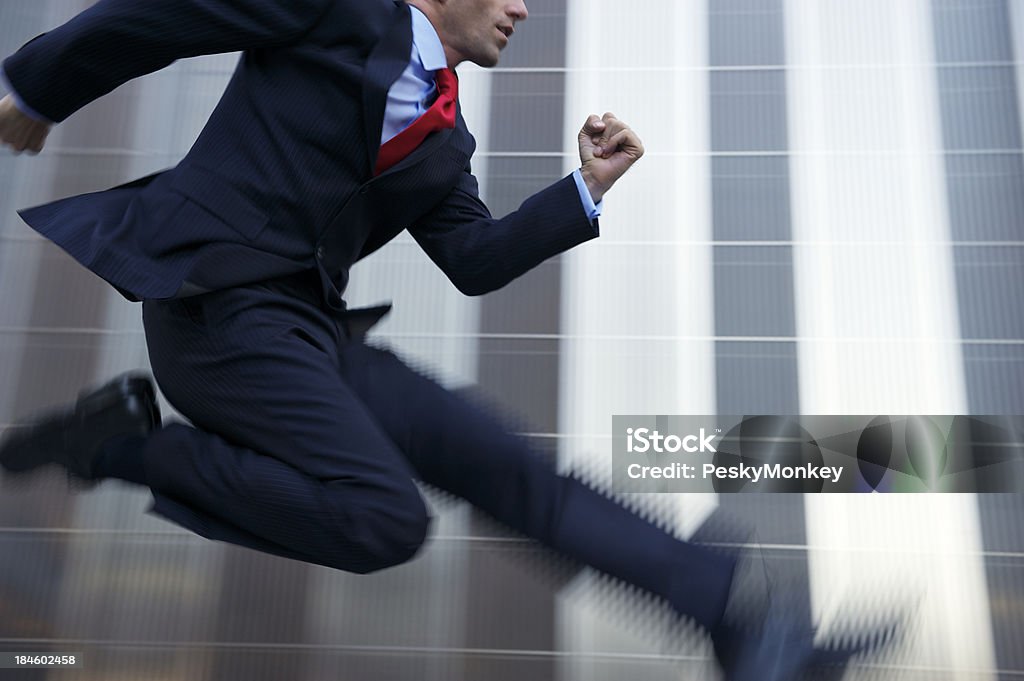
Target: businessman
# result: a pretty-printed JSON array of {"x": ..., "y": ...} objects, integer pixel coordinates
[{"x": 339, "y": 129}]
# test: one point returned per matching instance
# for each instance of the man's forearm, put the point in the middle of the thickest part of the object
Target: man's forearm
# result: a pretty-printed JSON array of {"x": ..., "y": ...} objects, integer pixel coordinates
[{"x": 480, "y": 253}]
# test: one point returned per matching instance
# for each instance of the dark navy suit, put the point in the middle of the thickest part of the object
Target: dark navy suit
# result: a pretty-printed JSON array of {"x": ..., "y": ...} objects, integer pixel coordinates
[{"x": 307, "y": 440}]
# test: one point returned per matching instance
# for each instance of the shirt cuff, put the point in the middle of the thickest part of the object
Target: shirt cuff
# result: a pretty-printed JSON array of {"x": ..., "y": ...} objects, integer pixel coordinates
[
  {"x": 20, "y": 103},
  {"x": 592, "y": 210}
]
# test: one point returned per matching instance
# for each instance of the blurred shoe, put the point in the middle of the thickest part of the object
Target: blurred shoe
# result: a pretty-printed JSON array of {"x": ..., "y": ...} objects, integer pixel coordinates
[
  {"x": 779, "y": 649},
  {"x": 782, "y": 648},
  {"x": 75, "y": 436},
  {"x": 765, "y": 633}
]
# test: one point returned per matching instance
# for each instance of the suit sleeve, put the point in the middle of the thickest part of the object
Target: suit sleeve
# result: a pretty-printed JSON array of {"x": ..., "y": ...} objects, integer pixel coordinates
[
  {"x": 113, "y": 41},
  {"x": 479, "y": 253}
]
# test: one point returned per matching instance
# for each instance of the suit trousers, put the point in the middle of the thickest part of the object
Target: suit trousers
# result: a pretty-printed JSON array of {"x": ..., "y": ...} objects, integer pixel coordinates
[{"x": 306, "y": 443}]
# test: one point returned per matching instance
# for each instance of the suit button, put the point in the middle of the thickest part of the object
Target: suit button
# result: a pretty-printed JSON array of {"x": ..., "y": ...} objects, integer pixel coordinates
[{"x": 319, "y": 252}]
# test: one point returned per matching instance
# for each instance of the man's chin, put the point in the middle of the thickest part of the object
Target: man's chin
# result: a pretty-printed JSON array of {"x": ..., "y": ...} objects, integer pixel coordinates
[{"x": 487, "y": 60}]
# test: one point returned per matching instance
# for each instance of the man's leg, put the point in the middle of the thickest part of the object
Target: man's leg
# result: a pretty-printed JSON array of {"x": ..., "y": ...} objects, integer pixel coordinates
[
  {"x": 284, "y": 458},
  {"x": 458, "y": 447}
]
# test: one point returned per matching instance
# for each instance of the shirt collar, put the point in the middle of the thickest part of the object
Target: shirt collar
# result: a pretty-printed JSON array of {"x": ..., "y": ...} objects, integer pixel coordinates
[{"x": 427, "y": 42}]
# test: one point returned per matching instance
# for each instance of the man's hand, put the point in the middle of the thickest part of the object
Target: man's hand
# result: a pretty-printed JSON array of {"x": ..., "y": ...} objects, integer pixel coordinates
[
  {"x": 608, "y": 147},
  {"x": 18, "y": 131}
]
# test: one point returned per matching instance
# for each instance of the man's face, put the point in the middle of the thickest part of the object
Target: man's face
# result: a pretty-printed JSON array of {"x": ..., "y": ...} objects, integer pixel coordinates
[{"x": 477, "y": 30}]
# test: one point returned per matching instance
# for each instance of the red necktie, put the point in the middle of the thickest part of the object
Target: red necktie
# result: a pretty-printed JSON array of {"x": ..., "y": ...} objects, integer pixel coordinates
[{"x": 440, "y": 115}]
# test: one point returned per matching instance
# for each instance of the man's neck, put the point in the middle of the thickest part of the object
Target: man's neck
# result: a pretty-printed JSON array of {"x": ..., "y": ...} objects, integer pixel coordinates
[{"x": 429, "y": 10}]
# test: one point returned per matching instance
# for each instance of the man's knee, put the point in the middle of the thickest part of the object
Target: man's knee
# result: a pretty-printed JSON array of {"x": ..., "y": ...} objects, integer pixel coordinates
[{"x": 392, "y": 535}]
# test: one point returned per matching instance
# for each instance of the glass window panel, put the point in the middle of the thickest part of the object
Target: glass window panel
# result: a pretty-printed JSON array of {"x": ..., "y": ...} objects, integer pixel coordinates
[
  {"x": 750, "y": 198},
  {"x": 754, "y": 291},
  {"x": 748, "y": 110},
  {"x": 756, "y": 377}
]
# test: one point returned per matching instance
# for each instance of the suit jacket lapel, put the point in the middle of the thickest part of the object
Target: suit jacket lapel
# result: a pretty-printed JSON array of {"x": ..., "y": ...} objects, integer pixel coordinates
[
  {"x": 432, "y": 143},
  {"x": 387, "y": 61}
]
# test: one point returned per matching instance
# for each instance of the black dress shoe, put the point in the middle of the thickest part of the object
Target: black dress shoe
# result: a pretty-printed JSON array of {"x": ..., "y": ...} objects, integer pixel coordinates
[{"x": 74, "y": 436}]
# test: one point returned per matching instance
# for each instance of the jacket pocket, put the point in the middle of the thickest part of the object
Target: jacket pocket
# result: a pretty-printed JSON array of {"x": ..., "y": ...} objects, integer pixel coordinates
[{"x": 218, "y": 197}]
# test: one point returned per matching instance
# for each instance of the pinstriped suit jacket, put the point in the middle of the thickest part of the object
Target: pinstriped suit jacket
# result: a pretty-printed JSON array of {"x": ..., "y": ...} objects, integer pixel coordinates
[{"x": 280, "y": 179}]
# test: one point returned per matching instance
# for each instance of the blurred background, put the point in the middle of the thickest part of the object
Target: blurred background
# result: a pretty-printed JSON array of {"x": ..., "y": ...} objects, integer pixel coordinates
[{"x": 828, "y": 220}]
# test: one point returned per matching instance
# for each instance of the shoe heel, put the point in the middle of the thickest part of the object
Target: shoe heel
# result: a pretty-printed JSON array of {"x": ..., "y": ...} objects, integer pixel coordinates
[{"x": 91, "y": 402}]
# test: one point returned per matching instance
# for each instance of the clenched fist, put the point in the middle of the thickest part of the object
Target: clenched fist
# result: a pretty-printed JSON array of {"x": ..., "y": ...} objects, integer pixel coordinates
[
  {"x": 18, "y": 131},
  {"x": 608, "y": 147}
]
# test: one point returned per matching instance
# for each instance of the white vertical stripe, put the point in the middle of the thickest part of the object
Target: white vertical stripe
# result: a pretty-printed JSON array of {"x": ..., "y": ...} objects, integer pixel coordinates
[
  {"x": 475, "y": 88},
  {"x": 636, "y": 290},
  {"x": 906, "y": 290},
  {"x": 1015, "y": 8}
]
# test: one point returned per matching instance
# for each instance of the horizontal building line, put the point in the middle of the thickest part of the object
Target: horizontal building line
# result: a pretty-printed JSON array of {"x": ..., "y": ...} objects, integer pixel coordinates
[
  {"x": 780, "y": 153},
  {"x": 703, "y": 68},
  {"x": 525, "y": 434},
  {"x": 712, "y": 68},
  {"x": 785, "y": 242},
  {"x": 69, "y": 643},
  {"x": 535, "y": 435},
  {"x": 68, "y": 152},
  {"x": 59, "y": 331},
  {"x": 724, "y": 339},
  {"x": 190, "y": 537},
  {"x": 610, "y": 242},
  {"x": 471, "y": 539}
]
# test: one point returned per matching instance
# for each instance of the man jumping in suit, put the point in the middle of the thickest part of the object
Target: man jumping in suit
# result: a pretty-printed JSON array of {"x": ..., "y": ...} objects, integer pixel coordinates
[{"x": 339, "y": 129}]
